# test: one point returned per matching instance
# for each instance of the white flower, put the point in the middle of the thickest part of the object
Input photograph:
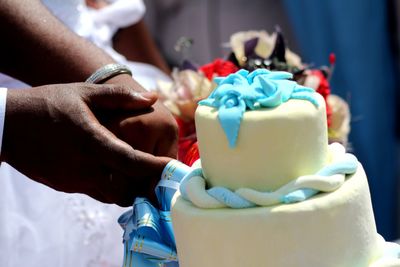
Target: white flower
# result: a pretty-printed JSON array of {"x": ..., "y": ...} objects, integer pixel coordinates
[
  {"x": 340, "y": 120},
  {"x": 182, "y": 94}
]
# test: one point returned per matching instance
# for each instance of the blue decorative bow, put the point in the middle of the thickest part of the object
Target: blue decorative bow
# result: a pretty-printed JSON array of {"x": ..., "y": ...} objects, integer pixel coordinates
[
  {"x": 243, "y": 90},
  {"x": 148, "y": 233}
]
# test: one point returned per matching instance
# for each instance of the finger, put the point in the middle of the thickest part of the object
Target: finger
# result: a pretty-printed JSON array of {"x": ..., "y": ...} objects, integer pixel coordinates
[
  {"x": 119, "y": 97},
  {"x": 100, "y": 197},
  {"x": 92, "y": 180},
  {"x": 110, "y": 186},
  {"x": 115, "y": 190},
  {"x": 120, "y": 156},
  {"x": 135, "y": 163},
  {"x": 138, "y": 178},
  {"x": 122, "y": 190},
  {"x": 168, "y": 145},
  {"x": 140, "y": 171}
]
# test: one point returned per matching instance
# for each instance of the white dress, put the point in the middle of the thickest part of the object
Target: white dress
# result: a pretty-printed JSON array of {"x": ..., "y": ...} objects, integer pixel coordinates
[
  {"x": 99, "y": 26},
  {"x": 41, "y": 227}
]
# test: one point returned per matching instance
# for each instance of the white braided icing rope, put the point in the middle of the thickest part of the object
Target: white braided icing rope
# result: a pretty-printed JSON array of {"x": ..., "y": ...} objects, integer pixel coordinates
[{"x": 328, "y": 179}]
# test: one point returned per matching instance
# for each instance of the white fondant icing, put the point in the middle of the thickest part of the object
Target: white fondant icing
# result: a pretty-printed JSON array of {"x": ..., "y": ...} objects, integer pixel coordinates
[
  {"x": 320, "y": 183},
  {"x": 274, "y": 146},
  {"x": 195, "y": 187},
  {"x": 276, "y": 151},
  {"x": 328, "y": 230}
]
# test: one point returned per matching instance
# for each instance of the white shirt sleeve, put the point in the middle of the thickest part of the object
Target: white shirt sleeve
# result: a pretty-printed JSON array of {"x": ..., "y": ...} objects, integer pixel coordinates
[{"x": 3, "y": 98}]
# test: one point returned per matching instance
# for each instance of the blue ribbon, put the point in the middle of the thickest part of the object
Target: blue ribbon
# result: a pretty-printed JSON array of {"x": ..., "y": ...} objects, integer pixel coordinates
[{"x": 148, "y": 233}]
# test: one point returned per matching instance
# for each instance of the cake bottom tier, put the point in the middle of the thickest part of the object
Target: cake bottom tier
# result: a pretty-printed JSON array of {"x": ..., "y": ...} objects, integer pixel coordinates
[{"x": 329, "y": 230}]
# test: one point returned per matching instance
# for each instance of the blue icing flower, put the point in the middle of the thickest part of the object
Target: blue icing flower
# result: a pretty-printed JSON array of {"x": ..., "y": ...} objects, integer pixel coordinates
[{"x": 243, "y": 91}]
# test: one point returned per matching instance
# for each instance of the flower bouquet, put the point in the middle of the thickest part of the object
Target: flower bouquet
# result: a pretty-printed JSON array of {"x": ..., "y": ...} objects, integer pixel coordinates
[
  {"x": 250, "y": 50},
  {"x": 190, "y": 85}
]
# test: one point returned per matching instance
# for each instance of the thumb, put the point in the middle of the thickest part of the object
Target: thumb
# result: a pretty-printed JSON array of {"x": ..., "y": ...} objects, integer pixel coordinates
[{"x": 119, "y": 97}]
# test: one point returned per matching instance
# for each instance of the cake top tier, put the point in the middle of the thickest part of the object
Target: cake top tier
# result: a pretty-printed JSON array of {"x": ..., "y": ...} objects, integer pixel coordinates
[
  {"x": 260, "y": 130},
  {"x": 246, "y": 90}
]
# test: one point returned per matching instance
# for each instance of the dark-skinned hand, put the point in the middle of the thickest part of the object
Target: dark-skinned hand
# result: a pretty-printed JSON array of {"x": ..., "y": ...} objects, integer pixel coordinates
[
  {"x": 52, "y": 135},
  {"x": 158, "y": 126}
]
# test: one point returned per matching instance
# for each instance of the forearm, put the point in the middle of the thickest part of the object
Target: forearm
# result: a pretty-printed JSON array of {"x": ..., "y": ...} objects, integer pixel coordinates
[
  {"x": 38, "y": 49},
  {"x": 136, "y": 44}
]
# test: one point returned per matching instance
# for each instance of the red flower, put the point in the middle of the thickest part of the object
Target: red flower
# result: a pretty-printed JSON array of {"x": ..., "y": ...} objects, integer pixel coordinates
[
  {"x": 324, "y": 90},
  {"x": 188, "y": 151},
  {"x": 218, "y": 67},
  {"x": 192, "y": 154}
]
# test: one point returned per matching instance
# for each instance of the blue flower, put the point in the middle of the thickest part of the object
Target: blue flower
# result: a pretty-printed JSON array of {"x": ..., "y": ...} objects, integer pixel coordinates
[{"x": 242, "y": 90}]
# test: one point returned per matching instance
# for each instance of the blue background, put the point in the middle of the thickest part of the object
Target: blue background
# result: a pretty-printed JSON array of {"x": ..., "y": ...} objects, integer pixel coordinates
[{"x": 358, "y": 32}]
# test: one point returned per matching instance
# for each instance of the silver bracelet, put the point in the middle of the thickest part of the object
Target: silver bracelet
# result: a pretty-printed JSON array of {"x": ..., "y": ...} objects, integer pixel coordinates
[{"x": 107, "y": 72}]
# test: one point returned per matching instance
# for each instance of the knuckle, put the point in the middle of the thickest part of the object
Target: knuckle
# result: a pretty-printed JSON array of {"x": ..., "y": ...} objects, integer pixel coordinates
[
  {"x": 122, "y": 89},
  {"x": 135, "y": 125},
  {"x": 171, "y": 130},
  {"x": 112, "y": 89},
  {"x": 170, "y": 126}
]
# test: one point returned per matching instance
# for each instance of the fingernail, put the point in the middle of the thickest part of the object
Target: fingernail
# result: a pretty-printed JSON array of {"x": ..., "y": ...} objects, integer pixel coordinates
[{"x": 144, "y": 95}]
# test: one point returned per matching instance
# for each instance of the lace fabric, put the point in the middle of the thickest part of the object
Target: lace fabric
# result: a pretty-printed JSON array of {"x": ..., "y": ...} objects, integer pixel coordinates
[{"x": 44, "y": 227}]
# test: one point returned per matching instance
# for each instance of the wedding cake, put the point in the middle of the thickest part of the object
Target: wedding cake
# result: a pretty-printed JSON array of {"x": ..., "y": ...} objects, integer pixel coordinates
[{"x": 269, "y": 190}]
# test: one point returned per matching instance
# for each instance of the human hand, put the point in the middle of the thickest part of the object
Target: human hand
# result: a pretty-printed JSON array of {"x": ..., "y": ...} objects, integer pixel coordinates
[
  {"x": 158, "y": 126},
  {"x": 51, "y": 134}
]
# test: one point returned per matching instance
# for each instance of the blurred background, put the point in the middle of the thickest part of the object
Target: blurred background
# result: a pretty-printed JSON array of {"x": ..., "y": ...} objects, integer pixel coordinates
[{"x": 362, "y": 33}]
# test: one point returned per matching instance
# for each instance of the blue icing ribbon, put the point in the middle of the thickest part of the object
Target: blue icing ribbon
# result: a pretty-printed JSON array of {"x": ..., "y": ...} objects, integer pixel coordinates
[
  {"x": 347, "y": 165},
  {"x": 299, "y": 195},
  {"x": 231, "y": 121},
  {"x": 222, "y": 194},
  {"x": 229, "y": 198},
  {"x": 243, "y": 91}
]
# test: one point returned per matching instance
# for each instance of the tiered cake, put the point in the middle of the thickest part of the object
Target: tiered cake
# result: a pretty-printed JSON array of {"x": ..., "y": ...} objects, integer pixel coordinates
[{"x": 272, "y": 192}]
